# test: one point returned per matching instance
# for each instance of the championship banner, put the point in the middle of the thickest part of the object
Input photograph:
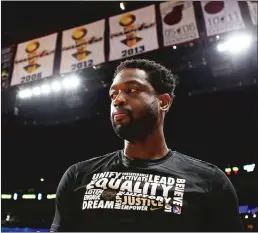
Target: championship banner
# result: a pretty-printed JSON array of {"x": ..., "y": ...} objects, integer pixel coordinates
[
  {"x": 6, "y": 65},
  {"x": 253, "y": 11},
  {"x": 34, "y": 60},
  {"x": 178, "y": 22},
  {"x": 133, "y": 33},
  {"x": 83, "y": 47},
  {"x": 221, "y": 16}
]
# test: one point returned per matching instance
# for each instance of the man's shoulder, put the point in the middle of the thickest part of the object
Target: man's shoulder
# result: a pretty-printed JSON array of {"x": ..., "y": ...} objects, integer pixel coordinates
[
  {"x": 93, "y": 162},
  {"x": 197, "y": 165}
]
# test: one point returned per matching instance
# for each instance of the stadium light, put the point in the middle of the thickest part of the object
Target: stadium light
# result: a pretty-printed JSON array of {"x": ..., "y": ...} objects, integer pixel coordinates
[
  {"x": 51, "y": 196},
  {"x": 25, "y": 93},
  {"x": 249, "y": 167},
  {"x": 45, "y": 89},
  {"x": 174, "y": 47},
  {"x": 6, "y": 196},
  {"x": 228, "y": 171},
  {"x": 254, "y": 216},
  {"x": 36, "y": 91},
  {"x": 235, "y": 43},
  {"x": 122, "y": 6},
  {"x": 71, "y": 82},
  {"x": 39, "y": 196},
  {"x": 15, "y": 196},
  {"x": 28, "y": 196},
  {"x": 8, "y": 218},
  {"x": 246, "y": 217},
  {"x": 235, "y": 170},
  {"x": 56, "y": 86}
]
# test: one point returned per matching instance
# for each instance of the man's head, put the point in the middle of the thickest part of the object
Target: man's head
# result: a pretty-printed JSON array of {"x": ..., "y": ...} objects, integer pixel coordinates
[{"x": 141, "y": 93}]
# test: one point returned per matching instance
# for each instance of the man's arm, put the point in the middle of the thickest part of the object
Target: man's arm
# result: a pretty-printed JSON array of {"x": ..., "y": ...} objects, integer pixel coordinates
[
  {"x": 224, "y": 208},
  {"x": 63, "y": 219}
]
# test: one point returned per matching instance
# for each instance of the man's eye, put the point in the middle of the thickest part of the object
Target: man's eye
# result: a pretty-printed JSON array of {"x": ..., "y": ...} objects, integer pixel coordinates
[
  {"x": 131, "y": 90},
  {"x": 113, "y": 96}
]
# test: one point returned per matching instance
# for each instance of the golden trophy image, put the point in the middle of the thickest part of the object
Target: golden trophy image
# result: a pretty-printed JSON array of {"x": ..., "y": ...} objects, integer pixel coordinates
[
  {"x": 81, "y": 43},
  {"x": 31, "y": 49},
  {"x": 127, "y": 21}
]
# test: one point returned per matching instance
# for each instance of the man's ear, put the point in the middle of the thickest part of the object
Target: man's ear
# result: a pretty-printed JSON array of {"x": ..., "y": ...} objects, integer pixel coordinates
[{"x": 165, "y": 102}]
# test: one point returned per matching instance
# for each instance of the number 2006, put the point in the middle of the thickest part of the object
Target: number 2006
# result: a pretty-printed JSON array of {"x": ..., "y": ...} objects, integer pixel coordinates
[
  {"x": 133, "y": 51},
  {"x": 30, "y": 78}
]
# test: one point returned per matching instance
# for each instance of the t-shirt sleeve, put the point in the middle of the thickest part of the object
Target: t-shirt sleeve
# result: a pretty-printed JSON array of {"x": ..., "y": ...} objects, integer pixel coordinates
[
  {"x": 63, "y": 219},
  {"x": 224, "y": 211}
]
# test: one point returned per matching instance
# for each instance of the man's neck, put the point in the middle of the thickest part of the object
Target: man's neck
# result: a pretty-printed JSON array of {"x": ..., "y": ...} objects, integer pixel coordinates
[{"x": 153, "y": 147}]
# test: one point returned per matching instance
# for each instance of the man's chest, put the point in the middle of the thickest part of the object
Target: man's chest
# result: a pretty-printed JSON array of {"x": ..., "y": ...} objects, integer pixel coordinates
[{"x": 109, "y": 198}]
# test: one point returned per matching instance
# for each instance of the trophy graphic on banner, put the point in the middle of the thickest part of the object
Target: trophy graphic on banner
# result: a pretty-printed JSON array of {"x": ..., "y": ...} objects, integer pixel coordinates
[
  {"x": 31, "y": 49},
  {"x": 127, "y": 21},
  {"x": 81, "y": 43}
]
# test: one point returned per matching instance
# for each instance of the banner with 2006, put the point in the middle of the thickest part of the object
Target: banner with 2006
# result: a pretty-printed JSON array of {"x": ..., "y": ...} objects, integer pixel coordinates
[{"x": 34, "y": 60}]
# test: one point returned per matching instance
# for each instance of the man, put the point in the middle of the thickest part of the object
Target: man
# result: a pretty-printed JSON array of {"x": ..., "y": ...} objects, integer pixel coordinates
[{"x": 146, "y": 186}]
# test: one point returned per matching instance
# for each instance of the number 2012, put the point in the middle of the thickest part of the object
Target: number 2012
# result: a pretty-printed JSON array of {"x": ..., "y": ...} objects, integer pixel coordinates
[
  {"x": 82, "y": 65},
  {"x": 133, "y": 51}
]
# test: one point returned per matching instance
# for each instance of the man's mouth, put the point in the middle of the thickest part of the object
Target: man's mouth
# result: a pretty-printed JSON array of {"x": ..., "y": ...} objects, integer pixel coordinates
[{"x": 119, "y": 116}]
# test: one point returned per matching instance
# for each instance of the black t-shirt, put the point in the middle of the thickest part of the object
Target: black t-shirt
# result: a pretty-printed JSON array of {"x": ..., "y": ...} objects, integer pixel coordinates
[{"x": 174, "y": 193}]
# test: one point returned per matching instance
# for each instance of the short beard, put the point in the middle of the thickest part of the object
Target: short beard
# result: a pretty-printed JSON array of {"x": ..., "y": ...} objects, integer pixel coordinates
[{"x": 138, "y": 129}]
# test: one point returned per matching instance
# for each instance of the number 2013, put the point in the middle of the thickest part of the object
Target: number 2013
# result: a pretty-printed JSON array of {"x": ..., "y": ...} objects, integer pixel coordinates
[{"x": 133, "y": 51}]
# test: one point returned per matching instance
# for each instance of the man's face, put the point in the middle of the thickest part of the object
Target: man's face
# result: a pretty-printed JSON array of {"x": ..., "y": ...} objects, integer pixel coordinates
[{"x": 134, "y": 106}]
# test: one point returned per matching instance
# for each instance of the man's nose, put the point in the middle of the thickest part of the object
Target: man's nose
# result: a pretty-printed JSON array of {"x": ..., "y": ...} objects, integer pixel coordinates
[{"x": 119, "y": 100}]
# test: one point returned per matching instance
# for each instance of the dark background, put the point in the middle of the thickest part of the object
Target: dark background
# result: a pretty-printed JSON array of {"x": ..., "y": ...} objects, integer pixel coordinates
[{"x": 213, "y": 118}]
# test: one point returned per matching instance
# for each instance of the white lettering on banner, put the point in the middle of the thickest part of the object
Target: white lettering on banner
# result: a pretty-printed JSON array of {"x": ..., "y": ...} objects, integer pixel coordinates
[
  {"x": 125, "y": 191},
  {"x": 83, "y": 47},
  {"x": 221, "y": 16},
  {"x": 253, "y": 11},
  {"x": 34, "y": 60},
  {"x": 178, "y": 22},
  {"x": 133, "y": 33}
]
